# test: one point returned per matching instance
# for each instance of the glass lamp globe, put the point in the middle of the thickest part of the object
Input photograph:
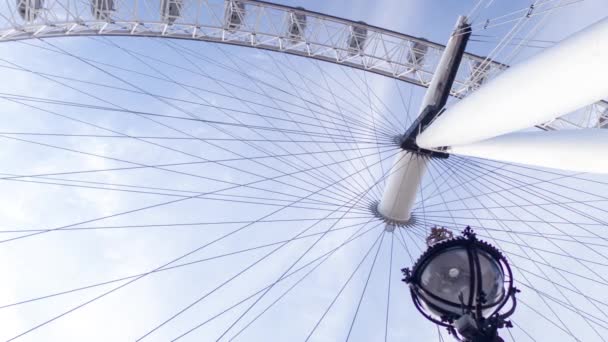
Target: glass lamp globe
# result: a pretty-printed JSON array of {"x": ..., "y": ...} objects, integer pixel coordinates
[
  {"x": 448, "y": 284},
  {"x": 460, "y": 276}
]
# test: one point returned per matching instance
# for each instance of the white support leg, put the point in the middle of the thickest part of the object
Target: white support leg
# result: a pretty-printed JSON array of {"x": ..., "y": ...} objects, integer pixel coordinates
[
  {"x": 409, "y": 168},
  {"x": 401, "y": 187}
]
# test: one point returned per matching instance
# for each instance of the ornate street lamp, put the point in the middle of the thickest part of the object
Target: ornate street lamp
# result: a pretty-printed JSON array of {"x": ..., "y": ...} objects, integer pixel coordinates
[{"x": 463, "y": 284}]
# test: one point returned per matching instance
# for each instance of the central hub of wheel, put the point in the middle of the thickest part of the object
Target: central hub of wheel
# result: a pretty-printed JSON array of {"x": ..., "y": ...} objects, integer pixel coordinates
[
  {"x": 409, "y": 144},
  {"x": 390, "y": 223}
]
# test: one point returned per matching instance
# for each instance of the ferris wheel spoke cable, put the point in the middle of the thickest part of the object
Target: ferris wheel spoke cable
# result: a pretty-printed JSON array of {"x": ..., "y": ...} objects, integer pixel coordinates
[
  {"x": 374, "y": 108},
  {"x": 324, "y": 189},
  {"x": 502, "y": 167},
  {"x": 367, "y": 191},
  {"x": 517, "y": 205},
  {"x": 481, "y": 163},
  {"x": 508, "y": 38},
  {"x": 297, "y": 92},
  {"x": 446, "y": 175},
  {"x": 446, "y": 171},
  {"x": 344, "y": 285},
  {"x": 98, "y": 126},
  {"x": 523, "y": 330},
  {"x": 573, "y": 290},
  {"x": 177, "y": 108},
  {"x": 550, "y": 224},
  {"x": 516, "y": 15},
  {"x": 352, "y": 238},
  {"x": 27, "y": 99},
  {"x": 162, "y": 137},
  {"x": 16, "y": 177},
  {"x": 550, "y": 198},
  {"x": 560, "y": 327},
  {"x": 292, "y": 265},
  {"x": 54, "y": 113},
  {"x": 339, "y": 108},
  {"x": 432, "y": 168},
  {"x": 372, "y": 98},
  {"x": 449, "y": 171},
  {"x": 589, "y": 318},
  {"x": 361, "y": 117},
  {"x": 174, "y": 225},
  {"x": 406, "y": 108},
  {"x": 363, "y": 291},
  {"x": 325, "y": 257},
  {"x": 167, "y": 203},
  {"x": 280, "y": 297},
  {"x": 364, "y": 94},
  {"x": 196, "y": 262},
  {"x": 160, "y": 166},
  {"x": 344, "y": 87},
  {"x": 443, "y": 220},
  {"x": 369, "y": 99},
  {"x": 388, "y": 284},
  {"x": 297, "y": 124},
  {"x": 559, "y": 247},
  {"x": 531, "y": 33},
  {"x": 144, "y": 92},
  {"x": 516, "y": 220},
  {"x": 191, "y": 252},
  {"x": 358, "y": 123},
  {"x": 256, "y": 318},
  {"x": 220, "y": 198},
  {"x": 404, "y": 245}
]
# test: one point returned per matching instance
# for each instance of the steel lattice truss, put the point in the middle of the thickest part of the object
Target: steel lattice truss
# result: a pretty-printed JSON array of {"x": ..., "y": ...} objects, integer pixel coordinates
[{"x": 267, "y": 26}]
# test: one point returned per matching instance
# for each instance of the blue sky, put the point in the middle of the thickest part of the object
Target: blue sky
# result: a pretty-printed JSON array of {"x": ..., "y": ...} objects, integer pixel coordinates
[{"x": 62, "y": 260}]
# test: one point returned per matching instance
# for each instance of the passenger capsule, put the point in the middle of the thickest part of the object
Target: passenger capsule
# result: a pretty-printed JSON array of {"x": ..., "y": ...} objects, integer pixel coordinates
[
  {"x": 417, "y": 53},
  {"x": 235, "y": 13},
  {"x": 356, "y": 39},
  {"x": 297, "y": 25},
  {"x": 102, "y": 9},
  {"x": 479, "y": 74},
  {"x": 28, "y": 9},
  {"x": 170, "y": 10}
]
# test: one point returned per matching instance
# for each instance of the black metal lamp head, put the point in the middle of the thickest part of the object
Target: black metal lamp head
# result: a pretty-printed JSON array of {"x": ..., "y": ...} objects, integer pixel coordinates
[{"x": 463, "y": 284}]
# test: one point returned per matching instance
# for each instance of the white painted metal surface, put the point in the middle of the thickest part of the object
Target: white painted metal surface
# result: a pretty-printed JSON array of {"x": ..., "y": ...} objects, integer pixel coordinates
[
  {"x": 402, "y": 187},
  {"x": 408, "y": 169},
  {"x": 557, "y": 81},
  {"x": 580, "y": 150},
  {"x": 249, "y": 23}
]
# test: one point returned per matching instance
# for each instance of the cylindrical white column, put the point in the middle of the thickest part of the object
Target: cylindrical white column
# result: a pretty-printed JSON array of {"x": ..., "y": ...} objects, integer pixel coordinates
[
  {"x": 401, "y": 187},
  {"x": 408, "y": 169}
]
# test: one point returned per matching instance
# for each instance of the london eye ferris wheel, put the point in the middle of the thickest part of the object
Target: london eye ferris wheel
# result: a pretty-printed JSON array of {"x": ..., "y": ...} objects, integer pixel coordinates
[{"x": 210, "y": 170}]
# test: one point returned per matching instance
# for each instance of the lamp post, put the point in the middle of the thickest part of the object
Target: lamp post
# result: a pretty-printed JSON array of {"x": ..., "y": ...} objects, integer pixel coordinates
[{"x": 464, "y": 284}]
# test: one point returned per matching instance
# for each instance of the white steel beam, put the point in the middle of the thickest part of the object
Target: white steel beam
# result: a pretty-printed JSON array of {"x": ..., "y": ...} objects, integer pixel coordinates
[
  {"x": 557, "y": 81},
  {"x": 580, "y": 150}
]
